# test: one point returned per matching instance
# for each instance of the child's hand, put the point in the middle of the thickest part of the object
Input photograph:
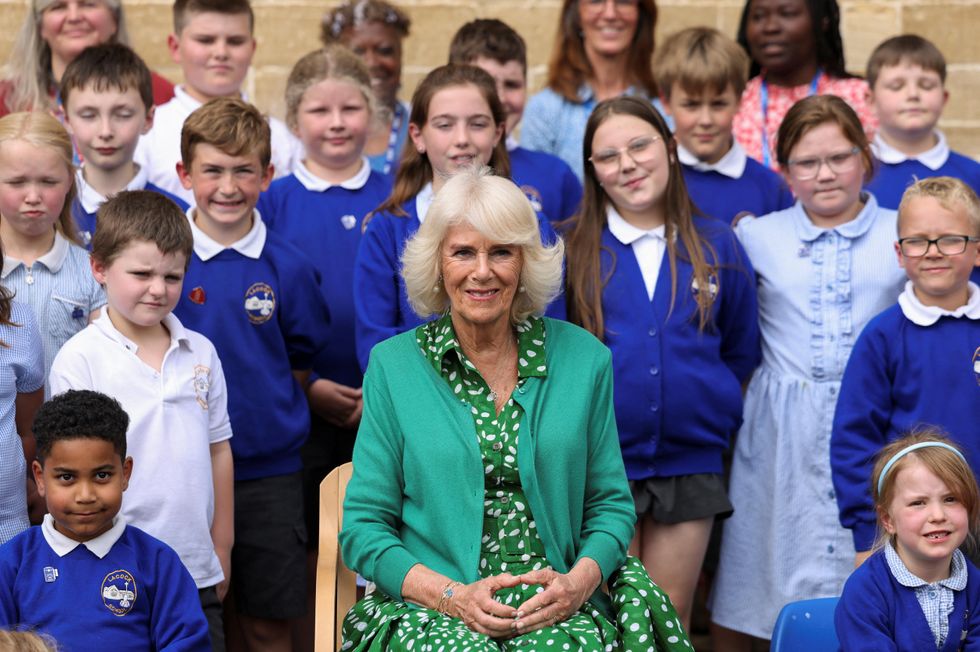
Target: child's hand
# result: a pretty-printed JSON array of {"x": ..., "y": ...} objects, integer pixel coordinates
[
  {"x": 224, "y": 556},
  {"x": 337, "y": 404}
]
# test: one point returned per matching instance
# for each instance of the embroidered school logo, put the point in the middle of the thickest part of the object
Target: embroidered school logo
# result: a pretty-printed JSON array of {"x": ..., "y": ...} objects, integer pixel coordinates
[
  {"x": 349, "y": 221},
  {"x": 202, "y": 383},
  {"x": 119, "y": 592},
  {"x": 533, "y": 196},
  {"x": 712, "y": 285},
  {"x": 976, "y": 364},
  {"x": 260, "y": 303}
]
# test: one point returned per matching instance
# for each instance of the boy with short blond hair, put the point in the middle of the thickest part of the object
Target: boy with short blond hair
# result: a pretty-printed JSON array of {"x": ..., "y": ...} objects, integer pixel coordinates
[
  {"x": 259, "y": 299},
  {"x": 919, "y": 361},
  {"x": 105, "y": 582},
  {"x": 170, "y": 382},
  {"x": 490, "y": 44},
  {"x": 213, "y": 43},
  {"x": 906, "y": 76},
  {"x": 107, "y": 94},
  {"x": 701, "y": 74}
]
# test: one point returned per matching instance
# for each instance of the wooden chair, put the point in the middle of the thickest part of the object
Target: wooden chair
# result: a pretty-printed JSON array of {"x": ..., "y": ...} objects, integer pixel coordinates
[{"x": 336, "y": 589}]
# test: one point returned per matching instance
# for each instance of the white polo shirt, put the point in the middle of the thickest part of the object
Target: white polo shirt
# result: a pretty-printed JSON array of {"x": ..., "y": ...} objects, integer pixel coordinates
[
  {"x": 174, "y": 417},
  {"x": 159, "y": 150}
]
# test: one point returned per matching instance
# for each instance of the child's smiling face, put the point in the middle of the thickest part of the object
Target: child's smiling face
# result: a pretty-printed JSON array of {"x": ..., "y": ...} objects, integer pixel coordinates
[
  {"x": 82, "y": 481},
  {"x": 928, "y": 522}
]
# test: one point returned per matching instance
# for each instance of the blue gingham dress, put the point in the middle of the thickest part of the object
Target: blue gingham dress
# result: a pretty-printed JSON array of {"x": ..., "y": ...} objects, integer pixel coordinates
[
  {"x": 817, "y": 290},
  {"x": 21, "y": 371}
]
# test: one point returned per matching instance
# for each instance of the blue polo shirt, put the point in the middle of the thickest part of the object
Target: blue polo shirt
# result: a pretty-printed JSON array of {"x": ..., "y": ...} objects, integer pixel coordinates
[{"x": 259, "y": 301}]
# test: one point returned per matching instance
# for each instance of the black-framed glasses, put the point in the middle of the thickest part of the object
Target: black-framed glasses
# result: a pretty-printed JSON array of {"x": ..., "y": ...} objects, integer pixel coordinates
[
  {"x": 641, "y": 150},
  {"x": 808, "y": 168},
  {"x": 947, "y": 245}
]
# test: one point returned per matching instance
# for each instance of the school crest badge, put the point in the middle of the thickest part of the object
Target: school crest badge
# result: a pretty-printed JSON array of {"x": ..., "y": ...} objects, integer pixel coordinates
[
  {"x": 976, "y": 364},
  {"x": 349, "y": 221},
  {"x": 533, "y": 196},
  {"x": 260, "y": 303},
  {"x": 712, "y": 285},
  {"x": 202, "y": 383},
  {"x": 119, "y": 592}
]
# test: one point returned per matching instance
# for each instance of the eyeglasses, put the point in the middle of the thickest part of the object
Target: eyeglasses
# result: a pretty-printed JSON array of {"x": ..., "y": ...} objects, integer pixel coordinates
[
  {"x": 641, "y": 150},
  {"x": 804, "y": 169},
  {"x": 947, "y": 245},
  {"x": 595, "y": 6}
]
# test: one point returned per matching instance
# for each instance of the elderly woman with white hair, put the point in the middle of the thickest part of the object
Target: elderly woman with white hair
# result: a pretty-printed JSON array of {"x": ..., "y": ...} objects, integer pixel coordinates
[
  {"x": 53, "y": 33},
  {"x": 489, "y": 501}
]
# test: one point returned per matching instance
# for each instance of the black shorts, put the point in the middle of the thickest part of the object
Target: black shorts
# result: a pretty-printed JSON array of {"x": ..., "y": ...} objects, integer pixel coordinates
[
  {"x": 681, "y": 498},
  {"x": 268, "y": 561}
]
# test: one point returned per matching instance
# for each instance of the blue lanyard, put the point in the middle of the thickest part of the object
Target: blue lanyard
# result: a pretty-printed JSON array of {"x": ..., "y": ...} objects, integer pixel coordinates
[
  {"x": 764, "y": 100},
  {"x": 396, "y": 126}
]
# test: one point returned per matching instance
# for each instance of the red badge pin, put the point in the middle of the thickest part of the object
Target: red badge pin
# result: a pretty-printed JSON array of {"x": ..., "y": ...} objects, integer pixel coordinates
[{"x": 197, "y": 295}]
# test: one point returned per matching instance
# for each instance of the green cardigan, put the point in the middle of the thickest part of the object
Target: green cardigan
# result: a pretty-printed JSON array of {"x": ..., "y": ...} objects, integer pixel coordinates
[{"x": 416, "y": 496}]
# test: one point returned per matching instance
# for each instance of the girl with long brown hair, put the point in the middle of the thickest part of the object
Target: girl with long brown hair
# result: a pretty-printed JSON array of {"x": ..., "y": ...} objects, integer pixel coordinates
[
  {"x": 673, "y": 296},
  {"x": 457, "y": 122}
]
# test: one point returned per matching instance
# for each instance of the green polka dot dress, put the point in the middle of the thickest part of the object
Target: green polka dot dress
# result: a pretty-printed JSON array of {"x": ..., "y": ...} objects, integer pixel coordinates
[{"x": 645, "y": 618}]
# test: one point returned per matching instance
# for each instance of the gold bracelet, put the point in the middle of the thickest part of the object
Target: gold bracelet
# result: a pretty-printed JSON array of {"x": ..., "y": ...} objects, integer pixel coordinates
[{"x": 447, "y": 594}]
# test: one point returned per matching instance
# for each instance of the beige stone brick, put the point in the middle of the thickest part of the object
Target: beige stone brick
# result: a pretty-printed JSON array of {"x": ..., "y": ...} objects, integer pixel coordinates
[
  {"x": 286, "y": 33},
  {"x": 432, "y": 31},
  {"x": 148, "y": 26},
  {"x": 13, "y": 16},
  {"x": 269, "y": 84},
  {"x": 673, "y": 18},
  {"x": 863, "y": 27},
  {"x": 728, "y": 19},
  {"x": 951, "y": 26},
  {"x": 964, "y": 94},
  {"x": 965, "y": 140}
]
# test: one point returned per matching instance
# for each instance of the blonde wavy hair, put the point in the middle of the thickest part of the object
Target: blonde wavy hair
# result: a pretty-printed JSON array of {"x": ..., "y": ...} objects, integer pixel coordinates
[
  {"x": 41, "y": 130},
  {"x": 29, "y": 68},
  {"x": 498, "y": 209}
]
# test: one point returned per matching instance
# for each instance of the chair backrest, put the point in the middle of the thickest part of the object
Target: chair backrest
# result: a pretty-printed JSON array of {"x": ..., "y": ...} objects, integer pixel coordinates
[
  {"x": 806, "y": 626},
  {"x": 336, "y": 585}
]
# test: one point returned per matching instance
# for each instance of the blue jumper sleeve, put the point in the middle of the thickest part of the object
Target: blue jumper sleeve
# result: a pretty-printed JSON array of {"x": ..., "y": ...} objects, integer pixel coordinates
[
  {"x": 861, "y": 617},
  {"x": 177, "y": 623},
  {"x": 376, "y": 288},
  {"x": 738, "y": 317}
]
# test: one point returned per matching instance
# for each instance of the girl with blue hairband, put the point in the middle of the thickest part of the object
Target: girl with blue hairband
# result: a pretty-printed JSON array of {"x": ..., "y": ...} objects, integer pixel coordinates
[{"x": 918, "y": 591}]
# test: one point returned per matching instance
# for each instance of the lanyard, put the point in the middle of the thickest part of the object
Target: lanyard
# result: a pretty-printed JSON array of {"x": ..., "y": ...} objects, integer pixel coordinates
[
  {"x": 764, "y": 100},
  {"x": 396, "y": 127}
]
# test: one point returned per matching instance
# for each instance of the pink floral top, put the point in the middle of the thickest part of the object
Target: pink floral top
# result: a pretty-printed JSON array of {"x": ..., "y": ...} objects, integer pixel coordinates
[{"x": 748, "y": 122}]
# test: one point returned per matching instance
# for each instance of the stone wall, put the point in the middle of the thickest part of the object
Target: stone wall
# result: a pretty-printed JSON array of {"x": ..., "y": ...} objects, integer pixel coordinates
[{"x": 286, "y": 29}]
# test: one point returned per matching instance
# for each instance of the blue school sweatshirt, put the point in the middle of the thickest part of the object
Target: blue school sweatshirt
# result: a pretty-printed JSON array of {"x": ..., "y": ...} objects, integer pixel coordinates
[
  {"x": 759, "y": 191},
  {"x": 891, "y": 179},
  {"x": 266, "y": 317},
  {"x": 381, "y": 300},
  {"x": 678, "y": 395},
  {"x": 548, "y": 182},
  {"x": 327, "y": 227},
  {"x": 137, "y": 597},
  {"x": 877, "y": 614},
  {"x": 899, "y": 375}
]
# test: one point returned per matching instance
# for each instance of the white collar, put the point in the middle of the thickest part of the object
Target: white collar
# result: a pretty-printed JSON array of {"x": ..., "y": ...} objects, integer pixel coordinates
[
  {"x": 511, "y": 143},
  {"x": 91, "y": 199},
  {"x": 99, "y": 546},
  {"x": 922, "y": 315},
  {"x": 933, "y": 158},
  {"x": 731, "y": 165},
  {"x": 53, "y": 260},
  {"x": 626, "y": 232},
  {"x": 178, "y": 334},
  {"x": 423, "y": 200},
  {"x": 193, "y": 104},
  {"x": 250, "y": 245},
  {"x": 314, "y": 183}
]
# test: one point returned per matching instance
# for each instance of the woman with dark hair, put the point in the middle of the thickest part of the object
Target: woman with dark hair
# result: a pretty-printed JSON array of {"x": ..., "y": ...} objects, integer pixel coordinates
[
  {"x": 374, "y": 30},
  {"x": 796, "y": 51},
  {"x": 603, "y": 49}
]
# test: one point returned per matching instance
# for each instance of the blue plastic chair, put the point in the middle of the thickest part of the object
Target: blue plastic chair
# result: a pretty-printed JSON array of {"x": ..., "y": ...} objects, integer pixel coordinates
[{"x": 806, "y": 626}]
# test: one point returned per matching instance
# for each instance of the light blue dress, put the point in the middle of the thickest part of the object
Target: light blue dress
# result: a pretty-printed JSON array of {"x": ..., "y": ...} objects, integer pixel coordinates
[
  {"x": 21, "y": 371},
  {"x": 554, "y": 125},
  {"x": 817, "y": 290}
]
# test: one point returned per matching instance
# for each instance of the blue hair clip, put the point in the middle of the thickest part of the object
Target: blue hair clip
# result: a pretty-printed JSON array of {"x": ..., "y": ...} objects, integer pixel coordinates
[{"x": 908, "y": 449}]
